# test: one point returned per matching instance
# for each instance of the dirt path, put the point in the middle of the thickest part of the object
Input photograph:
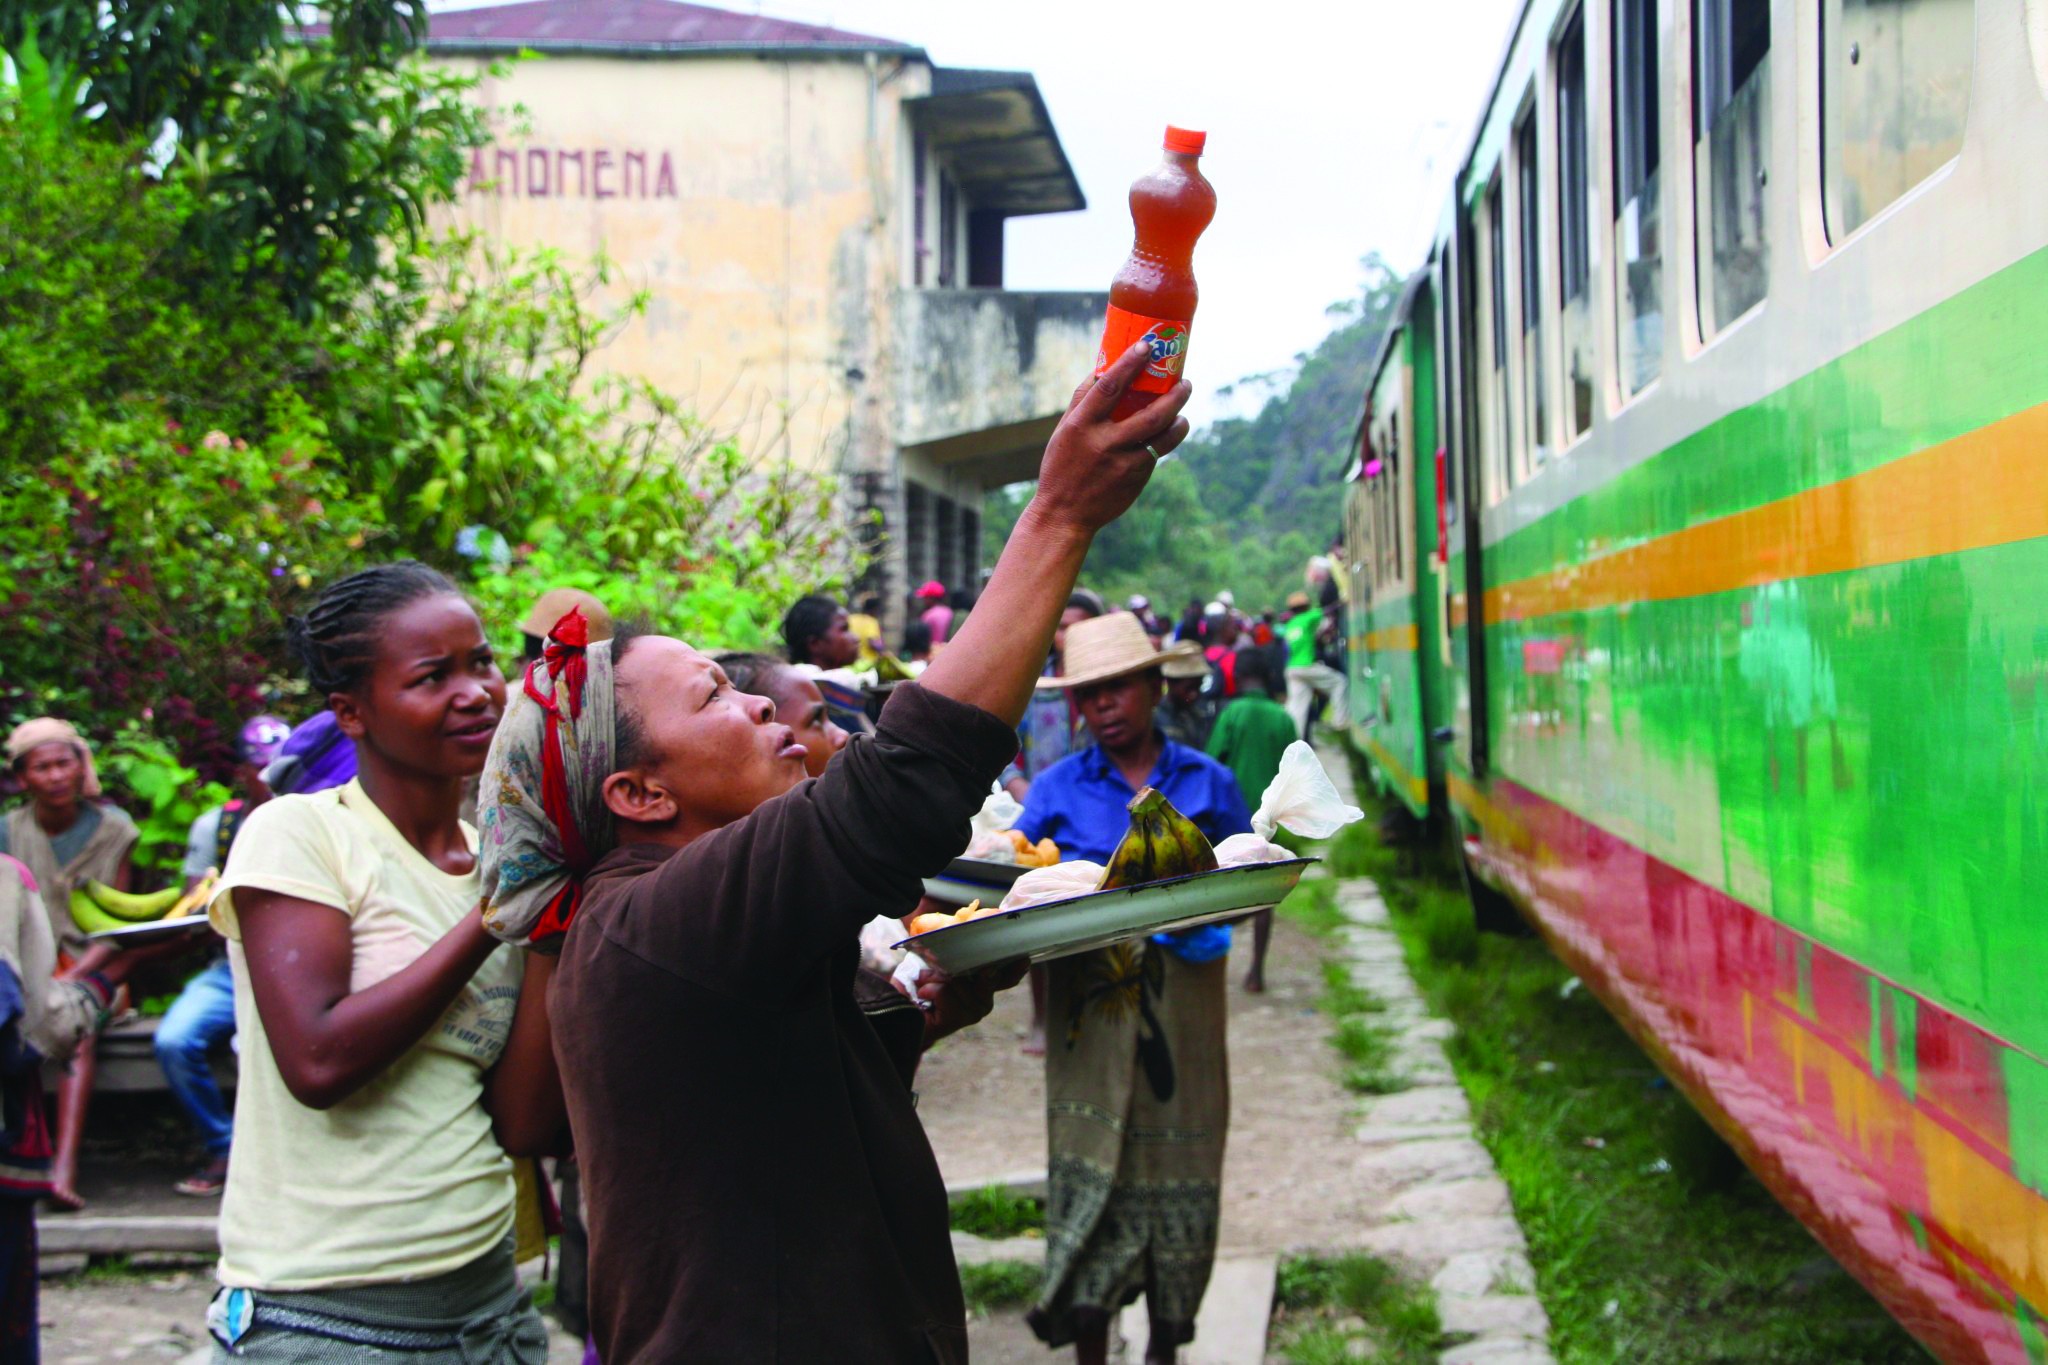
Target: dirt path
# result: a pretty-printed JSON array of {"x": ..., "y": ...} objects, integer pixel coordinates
[{"x": 1287, "y": 1179}]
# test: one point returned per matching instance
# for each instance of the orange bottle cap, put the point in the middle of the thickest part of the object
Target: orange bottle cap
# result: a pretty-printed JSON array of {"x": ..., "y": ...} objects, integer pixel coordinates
[{"x": 1186, "y": 141}]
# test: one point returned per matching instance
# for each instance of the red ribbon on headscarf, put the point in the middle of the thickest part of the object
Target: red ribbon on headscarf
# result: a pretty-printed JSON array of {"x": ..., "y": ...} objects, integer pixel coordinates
[{"x": 567, "y": 670}]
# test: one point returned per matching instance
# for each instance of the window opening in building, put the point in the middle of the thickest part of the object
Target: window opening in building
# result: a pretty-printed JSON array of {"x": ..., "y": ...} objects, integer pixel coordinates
[
  {"x": 1529, "y": 242},
  {"x": 1895, "y": 89},
  {"x": 1731, "y": 151},
  {"x": 1638, "y": 243},
  {"x": 949, "y": 232},
  {"x": 917, "y": 537},
  {"x": 1574, "y": 228},
  {"x": 918, "y": 250}
]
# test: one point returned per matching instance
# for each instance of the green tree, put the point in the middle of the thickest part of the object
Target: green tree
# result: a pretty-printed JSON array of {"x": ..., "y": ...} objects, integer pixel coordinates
[{"x": 307, "y": 152}]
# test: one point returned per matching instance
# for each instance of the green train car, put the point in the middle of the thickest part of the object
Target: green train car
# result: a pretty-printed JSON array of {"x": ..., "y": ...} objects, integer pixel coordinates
[{"x": 1698, "y": 549}]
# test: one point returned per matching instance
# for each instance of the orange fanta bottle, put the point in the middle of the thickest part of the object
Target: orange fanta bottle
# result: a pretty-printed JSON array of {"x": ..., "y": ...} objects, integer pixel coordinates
[{"x": 1153, "y": 296}]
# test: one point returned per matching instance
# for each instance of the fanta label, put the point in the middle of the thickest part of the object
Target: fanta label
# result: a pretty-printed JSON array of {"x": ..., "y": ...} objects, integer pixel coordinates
[{"x": 1165, "y": 338}]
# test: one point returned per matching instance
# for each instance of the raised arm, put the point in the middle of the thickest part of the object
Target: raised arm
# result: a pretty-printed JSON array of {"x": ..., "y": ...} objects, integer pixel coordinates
[{"x": 1094, "y": 468}]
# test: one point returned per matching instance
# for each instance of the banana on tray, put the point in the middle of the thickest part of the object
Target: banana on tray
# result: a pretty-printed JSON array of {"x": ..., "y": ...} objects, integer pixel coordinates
[
  {"x": 97, "y": 907},
  {"x": 1160, "y": 843}
]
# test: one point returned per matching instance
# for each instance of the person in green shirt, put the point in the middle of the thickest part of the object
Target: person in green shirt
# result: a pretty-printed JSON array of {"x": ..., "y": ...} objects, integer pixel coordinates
[
  {"x": 1250, "y": 735},
  {"x": 1307, "y": 676}
]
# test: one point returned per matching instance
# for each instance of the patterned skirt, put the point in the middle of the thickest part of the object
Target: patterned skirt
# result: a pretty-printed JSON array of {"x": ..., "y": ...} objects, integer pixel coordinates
[{"x": 1137, "y": 1107}]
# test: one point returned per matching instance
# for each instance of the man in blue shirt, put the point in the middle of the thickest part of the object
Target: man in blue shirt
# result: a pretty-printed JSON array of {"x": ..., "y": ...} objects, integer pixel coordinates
[{"x": 1137, "y": 1075}]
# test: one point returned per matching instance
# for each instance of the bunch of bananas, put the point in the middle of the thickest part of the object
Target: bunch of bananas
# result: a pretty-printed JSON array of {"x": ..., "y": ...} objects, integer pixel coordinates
[
  {"x": 97, "y": 907},
  {"x": 1160, "y": 843},
  {"x": 889, "y": 668}
]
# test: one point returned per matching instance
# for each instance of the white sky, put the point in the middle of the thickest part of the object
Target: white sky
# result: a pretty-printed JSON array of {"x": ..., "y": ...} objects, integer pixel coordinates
[{"x": 1334, "y": 126}]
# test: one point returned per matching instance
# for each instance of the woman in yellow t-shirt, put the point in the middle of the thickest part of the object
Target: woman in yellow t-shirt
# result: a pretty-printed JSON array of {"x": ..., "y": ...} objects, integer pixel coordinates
[{"x": 392, "y": 1052}]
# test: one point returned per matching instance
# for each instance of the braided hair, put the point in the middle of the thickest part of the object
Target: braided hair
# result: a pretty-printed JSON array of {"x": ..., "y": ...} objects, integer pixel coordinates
[
  {"x": 810, "y": 618},
  {"x": 335, "y": 642}
]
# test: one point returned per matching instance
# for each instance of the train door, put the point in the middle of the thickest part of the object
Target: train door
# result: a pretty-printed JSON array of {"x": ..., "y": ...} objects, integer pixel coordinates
[{"x": 1467, "y": 592}]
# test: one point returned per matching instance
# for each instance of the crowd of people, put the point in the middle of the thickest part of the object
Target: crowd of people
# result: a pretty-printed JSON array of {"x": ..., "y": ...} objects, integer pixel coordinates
[{"x": 612, "y": 914}]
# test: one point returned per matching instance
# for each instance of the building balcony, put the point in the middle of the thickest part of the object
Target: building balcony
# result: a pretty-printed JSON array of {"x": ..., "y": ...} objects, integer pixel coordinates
[{"x": 984, "y": 374}]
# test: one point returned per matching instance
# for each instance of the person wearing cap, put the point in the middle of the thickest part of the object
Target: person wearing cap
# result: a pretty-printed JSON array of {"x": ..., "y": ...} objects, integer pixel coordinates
[
  {"x": 203, "y": 1015},
  {"x": 1308, "y": 677},
  {"x": 551, "y": 606},
  {"x": 1188, "y": 711},
  {"x": 1137, "y": 1073},
  {"x": 66, "y": 835},
  {"x": 935, "y": 611}
]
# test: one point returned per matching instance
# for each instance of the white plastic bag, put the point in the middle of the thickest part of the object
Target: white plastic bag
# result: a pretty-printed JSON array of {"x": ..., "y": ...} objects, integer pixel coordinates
[
  {"x": 991, "y": 846},
  {"x": 1061, "y": 881},
  {"x": 1301, "y": 799},
  {"x": 1241, "y": 850},
  {"x": 1000, "y": 812}
]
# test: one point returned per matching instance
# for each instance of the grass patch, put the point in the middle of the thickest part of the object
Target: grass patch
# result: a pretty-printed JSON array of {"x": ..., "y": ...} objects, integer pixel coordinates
[
  {"x": 1369, "y": 1047},
  {"x": 1649, "y": 1239},
  {"x": 1342, "y": 996},
  {"x": 1325, "y": 1309},
  {"x": 999, "y": 1284},
  {"x": 1312, "y": 904},
  {"x": 996, "y": 1211}
]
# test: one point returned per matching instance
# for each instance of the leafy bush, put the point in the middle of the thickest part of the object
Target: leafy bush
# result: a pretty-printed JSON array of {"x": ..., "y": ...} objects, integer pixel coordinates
[
  {"x": 149, "y": 571},
  {"x": 165, "y": 797}
]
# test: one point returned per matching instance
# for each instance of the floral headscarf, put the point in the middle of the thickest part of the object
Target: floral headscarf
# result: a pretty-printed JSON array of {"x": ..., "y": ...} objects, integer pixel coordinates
[{"x": 541, "y": 810}]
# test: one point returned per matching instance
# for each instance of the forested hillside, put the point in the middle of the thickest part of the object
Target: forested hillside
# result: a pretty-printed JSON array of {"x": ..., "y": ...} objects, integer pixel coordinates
[{"x": 1245, "y": 502}]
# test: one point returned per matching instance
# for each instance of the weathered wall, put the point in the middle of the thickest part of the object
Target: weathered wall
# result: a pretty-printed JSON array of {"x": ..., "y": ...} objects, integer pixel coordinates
[
  {"x": 756, "y": 199},
  {"x": 978, "y": 359}
]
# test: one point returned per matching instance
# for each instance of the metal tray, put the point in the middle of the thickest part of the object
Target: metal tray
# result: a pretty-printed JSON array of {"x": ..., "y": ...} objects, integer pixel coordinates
[
  {"x": 1096, "y": 920},
  {"x": 148, "y": 929},
  {"x": 969, "y": 879}
]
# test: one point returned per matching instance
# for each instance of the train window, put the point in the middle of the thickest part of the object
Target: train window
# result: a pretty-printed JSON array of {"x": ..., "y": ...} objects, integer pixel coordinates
[
  {"x": 1529, "y": 246},
  {"x": 1638, "y": 243},
  {"x": 1895, "y": 87},
  {"x": 1731, "y": 128},
  {"x": 1501, "y": 427},
  {"x": 1574, "y": 224}
]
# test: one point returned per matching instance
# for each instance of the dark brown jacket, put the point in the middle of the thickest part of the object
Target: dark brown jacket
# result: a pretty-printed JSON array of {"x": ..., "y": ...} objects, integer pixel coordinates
[{"x": 759, "y": 1187}]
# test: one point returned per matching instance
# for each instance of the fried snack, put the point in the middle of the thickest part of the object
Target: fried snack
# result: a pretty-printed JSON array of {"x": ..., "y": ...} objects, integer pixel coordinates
[
  {"x": 925, "y": 923},
  {"x": 967, "y": 911}
]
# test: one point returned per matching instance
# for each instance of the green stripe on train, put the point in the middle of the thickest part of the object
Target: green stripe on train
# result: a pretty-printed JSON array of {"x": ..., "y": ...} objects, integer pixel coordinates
[{"x": 1869, "y": 407}]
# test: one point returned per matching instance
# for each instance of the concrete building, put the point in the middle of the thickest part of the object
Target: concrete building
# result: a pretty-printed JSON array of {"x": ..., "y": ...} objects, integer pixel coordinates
[{"x": 818, "y": 219}]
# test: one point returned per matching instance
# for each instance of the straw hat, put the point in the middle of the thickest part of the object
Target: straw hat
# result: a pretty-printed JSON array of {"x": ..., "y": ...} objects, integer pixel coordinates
[
  {"x": 1184, "y": 661},
  {"x": 555, "y": 603},
  {"x": 1298, "y": 601},
  {"x": 1113, "y": 646}
]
